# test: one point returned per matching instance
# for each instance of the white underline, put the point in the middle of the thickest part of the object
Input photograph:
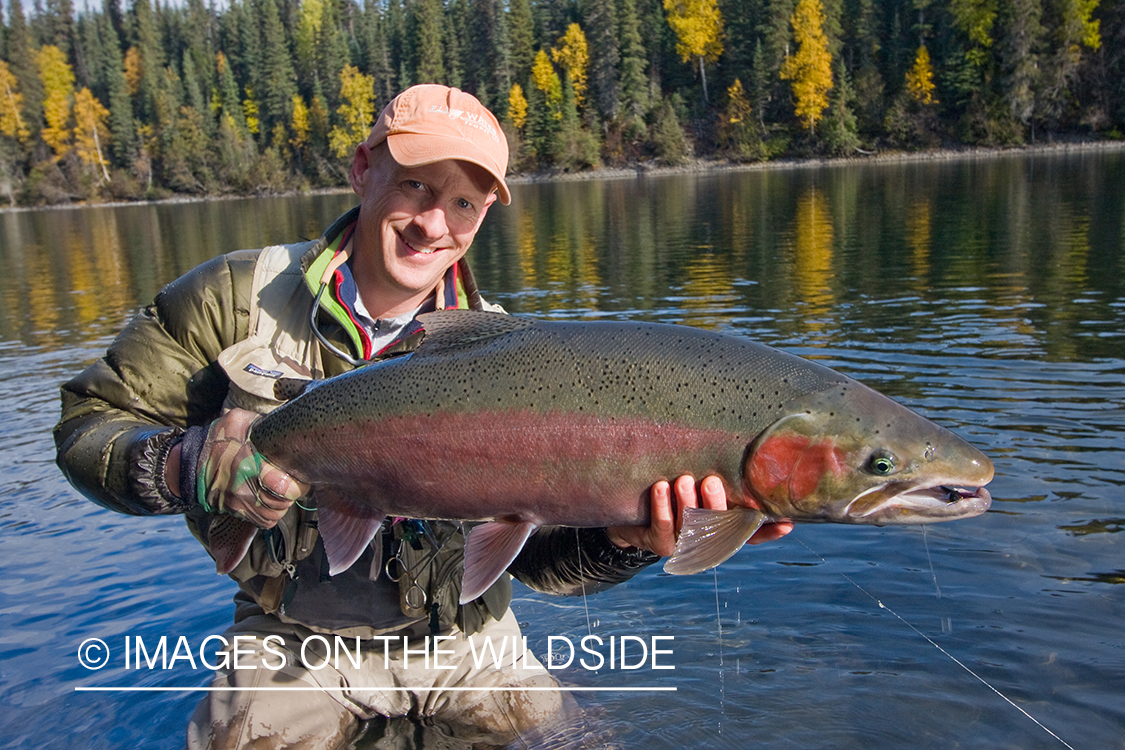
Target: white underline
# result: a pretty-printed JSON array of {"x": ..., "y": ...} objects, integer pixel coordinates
[{"x": 173, "y": 689}]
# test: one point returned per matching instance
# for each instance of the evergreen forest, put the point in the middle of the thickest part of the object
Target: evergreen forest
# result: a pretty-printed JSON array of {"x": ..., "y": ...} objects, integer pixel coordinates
[{"x": 256, "y": 96}]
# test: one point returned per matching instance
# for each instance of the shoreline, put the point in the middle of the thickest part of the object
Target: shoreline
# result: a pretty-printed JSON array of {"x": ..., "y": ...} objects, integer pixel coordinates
[
  {"x": 653, "y": 169},
  {"x": 705, "y": 166}
]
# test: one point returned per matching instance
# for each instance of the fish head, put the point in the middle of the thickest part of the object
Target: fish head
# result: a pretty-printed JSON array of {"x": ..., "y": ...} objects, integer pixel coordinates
[{"x": 851, "y": 455}]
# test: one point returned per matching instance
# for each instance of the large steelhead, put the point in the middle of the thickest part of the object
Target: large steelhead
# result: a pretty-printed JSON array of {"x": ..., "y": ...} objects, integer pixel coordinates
[{"x": 525, "y": 423}]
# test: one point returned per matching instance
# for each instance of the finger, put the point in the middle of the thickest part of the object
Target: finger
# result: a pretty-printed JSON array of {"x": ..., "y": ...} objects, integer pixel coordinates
[
  {"x": 685, "y": 497},
  {"x": 712, "y": 494},
  {"x": 771, "y": 532},
  {"x": 663, "y": 517},
  {"x": 281, "y": 484}
]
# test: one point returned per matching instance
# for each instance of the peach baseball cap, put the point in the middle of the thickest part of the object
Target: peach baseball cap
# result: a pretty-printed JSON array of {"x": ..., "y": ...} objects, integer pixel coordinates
[{"x": 428, "y": 123}]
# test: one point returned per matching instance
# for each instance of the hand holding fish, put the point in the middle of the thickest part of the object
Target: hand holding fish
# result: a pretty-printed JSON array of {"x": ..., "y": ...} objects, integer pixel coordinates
[
  {"x": 231, "y": 477},
  {"x": 668, "y": 504}
]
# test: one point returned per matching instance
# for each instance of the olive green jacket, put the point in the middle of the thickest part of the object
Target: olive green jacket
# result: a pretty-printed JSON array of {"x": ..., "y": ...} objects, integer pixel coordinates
[{"x": 121, "y": 416}]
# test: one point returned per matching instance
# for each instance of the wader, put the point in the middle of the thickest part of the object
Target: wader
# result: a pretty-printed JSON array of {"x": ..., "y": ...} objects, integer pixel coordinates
[{"x": 285, "y": 589}]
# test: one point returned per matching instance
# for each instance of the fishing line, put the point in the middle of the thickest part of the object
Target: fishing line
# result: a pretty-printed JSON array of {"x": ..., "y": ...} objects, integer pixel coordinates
[
  {"x": 926, "y": 544},
  {"x": 582, "y": 577},
  {"x": 955, "y": 660},
  {"x": 722, "y": 673}
]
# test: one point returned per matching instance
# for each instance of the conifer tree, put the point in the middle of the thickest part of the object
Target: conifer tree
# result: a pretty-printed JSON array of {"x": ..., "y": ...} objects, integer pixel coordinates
[
  {"x": 150, "y": 54},
  {"x": 230, "y": 103},
  {"x": 522, "y": 39},
  {"x": 601, "y": 23},
  {"x": 59, "y": 26},
  {"x": 21, "y": 56},
  {"x": 453, "y": 50},
  {"x": 376, "y": 52},
  {"x": 279, "y": 80},
  {"x": 87, "y": 53},
  {"x": 840, "y": 131},
  {"x": 394, "y": 26},
  {"x": 868, "y": 78},
  {"x": 245, "y": 55},
  {"x": 487, "y": 50},
  {"x": 306, "y": 38},
  {"x": 425, "y": 34},
  {"x": 761, "y": 79},
  {"x": 333, "y": 50},
  {"x": 634, "y": 61},
  {"x": 197, "y": 38}
]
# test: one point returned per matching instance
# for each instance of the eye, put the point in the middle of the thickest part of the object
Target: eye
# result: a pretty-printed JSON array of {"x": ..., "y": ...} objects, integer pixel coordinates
[
  {"x": 881, "y": 464},
  {"x": 415, "y": 185},
  {"x": 464, "y": 205}
]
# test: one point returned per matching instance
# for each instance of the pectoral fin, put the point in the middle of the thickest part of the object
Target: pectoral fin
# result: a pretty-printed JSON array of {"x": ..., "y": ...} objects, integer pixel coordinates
[
  {"x": 229, "y": 539},
  {"x": 489, "y": 550},
  {"x": 709, "y": 537},
  {"x": 346, "y": 528}
]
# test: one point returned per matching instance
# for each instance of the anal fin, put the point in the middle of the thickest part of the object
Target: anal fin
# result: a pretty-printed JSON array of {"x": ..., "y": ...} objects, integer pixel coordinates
[
  {"x": 229, "y": 539},
  {"x": 489, "y": 550},
  {"x": 710, "y": 537}
]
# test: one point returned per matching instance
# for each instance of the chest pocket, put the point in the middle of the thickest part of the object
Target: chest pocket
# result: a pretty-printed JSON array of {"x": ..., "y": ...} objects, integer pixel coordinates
[{"x": 280, "y": 343}]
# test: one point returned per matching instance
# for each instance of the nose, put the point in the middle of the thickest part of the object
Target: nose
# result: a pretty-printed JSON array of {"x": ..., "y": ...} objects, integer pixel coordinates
[{"x": 431, "y": 223}]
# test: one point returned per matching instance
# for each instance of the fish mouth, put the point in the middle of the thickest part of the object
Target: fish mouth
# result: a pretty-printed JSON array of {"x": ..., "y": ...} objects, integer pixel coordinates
[{"x": 905, "y": 503}]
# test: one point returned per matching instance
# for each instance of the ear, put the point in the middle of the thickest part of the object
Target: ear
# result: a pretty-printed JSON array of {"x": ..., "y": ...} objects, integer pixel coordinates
[
  {"x": 492, "y": 198},
  {"x": 361, "y": 162}
]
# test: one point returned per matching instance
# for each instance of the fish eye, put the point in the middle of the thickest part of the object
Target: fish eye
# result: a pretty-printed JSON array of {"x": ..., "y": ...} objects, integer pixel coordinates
[{"x": 881, "y": 464}]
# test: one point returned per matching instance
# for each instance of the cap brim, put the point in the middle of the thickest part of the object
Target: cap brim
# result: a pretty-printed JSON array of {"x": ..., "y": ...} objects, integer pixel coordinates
[{"x": 419, "y": 149}]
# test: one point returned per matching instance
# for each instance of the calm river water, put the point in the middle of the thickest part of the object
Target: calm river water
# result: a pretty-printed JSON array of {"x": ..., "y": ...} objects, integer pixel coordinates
[{"x": 988, "y": 295}]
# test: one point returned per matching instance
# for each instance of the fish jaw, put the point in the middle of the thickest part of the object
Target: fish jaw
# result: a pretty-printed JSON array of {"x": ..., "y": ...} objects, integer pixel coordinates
[
  {"x": 851, "y": 455},
  {"x": 896, "y": 504}
]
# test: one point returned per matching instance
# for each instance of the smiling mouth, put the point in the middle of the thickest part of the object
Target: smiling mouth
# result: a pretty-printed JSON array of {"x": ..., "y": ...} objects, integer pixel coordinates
[{"x": 419, "y": 250}]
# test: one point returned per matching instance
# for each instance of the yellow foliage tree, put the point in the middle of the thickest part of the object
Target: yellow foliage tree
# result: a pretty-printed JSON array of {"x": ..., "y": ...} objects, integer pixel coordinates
[
  {"x": 11, "y": 102},
  {"x": 300, "y": 124},
  {"x": 250, "y": 111},
  {"x": 545, "y": 78},
  {"x": 133, "y": 71},
  {"x": 737, "y": 126},
  {"x": 699, "y": 31},
  {"x": 574, "y": 57},
  {"x": 58, "y": 90},
  {"x": 920, "y": 78},
  {"x": 810, "y": 69},
  {"x": 357, "y": 92},
  {"x": 90, "y": 130},
  {"x": 517, "y": 106}
]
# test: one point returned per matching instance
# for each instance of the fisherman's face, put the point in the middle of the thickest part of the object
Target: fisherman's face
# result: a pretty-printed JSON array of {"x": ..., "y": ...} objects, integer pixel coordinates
[{"x": 414, "y": 222}]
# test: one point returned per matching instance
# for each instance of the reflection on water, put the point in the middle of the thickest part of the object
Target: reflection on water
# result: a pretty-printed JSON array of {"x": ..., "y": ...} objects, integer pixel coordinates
[{"x": 988, "y": 295}]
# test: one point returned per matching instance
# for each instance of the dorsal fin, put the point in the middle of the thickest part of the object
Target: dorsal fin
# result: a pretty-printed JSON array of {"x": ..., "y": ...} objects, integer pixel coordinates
[{"x": 461, "y": 329}]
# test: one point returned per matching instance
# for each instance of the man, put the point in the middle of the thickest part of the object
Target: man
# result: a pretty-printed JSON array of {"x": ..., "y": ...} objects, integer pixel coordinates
[{"x": 159, "y": 426}]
